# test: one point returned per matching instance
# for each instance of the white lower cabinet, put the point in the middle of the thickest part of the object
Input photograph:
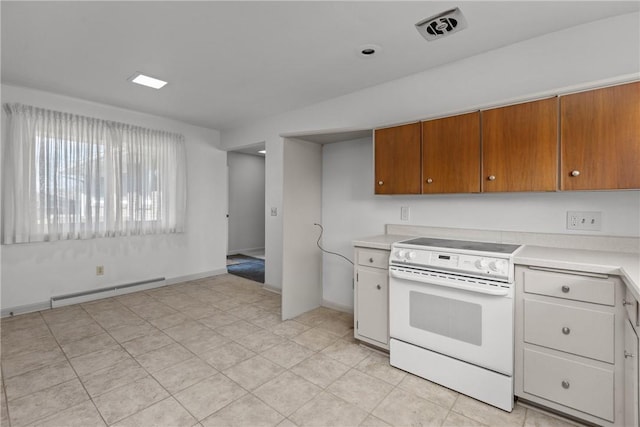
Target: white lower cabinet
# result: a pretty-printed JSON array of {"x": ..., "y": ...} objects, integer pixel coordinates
[
  {"x": 570, "y": 383},
  {"x": 569, "y": 343},
  {"x": 570, "y": 329},
  {"x": 371, "y": 297}
]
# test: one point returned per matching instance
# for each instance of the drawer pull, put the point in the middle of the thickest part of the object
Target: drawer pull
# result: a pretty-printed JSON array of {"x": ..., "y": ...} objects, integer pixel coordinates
[
  {"x": 566, "y": 330},
  {"x": 565, "y": 384},
  {"x": 370, "y": 259},
  {"x": 627, "y": 354},
  {"x": 625, "y": 302},
  {"x": 566, "y": 289},
  {"x": 378, "y": 287}
]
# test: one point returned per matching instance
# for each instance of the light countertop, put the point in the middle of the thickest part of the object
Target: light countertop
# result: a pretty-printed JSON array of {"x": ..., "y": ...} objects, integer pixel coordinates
[
  {"x": 625, "y": 265},
  {"x": 381, "y": 241}
]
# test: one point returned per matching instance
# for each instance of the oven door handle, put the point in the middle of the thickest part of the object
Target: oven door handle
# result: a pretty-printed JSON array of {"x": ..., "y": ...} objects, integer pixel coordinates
[{"x": 447, "y": 284}]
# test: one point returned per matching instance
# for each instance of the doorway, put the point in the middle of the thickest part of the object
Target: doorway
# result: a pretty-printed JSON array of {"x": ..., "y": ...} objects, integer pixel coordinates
[{"x": 246, "y": 212}]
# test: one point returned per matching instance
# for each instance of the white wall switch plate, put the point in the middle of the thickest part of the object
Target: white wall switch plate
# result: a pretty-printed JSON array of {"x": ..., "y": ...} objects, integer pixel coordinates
[
  {"x": 578, "y": 220},
  {"x": 404, "y": 213}
]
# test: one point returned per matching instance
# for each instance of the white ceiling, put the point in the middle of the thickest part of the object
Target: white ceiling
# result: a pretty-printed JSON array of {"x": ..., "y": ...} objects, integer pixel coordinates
[{"x": 229, "y": 62}]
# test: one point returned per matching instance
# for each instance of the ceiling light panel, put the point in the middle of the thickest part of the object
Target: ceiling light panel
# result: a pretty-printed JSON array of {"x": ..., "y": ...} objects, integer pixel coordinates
[{"x": 148, "y": 81}]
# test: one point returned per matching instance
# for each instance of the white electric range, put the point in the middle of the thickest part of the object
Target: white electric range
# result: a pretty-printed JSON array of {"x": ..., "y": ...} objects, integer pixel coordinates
[{"x": 451, "y": 315}]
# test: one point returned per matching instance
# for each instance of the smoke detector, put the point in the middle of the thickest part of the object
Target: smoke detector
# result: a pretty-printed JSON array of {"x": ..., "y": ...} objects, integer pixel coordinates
[{"x": 442, "y": 24}]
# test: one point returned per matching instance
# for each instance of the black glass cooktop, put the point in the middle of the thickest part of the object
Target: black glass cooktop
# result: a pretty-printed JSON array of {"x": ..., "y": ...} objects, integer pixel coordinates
[{"x": 500, "y": 248}]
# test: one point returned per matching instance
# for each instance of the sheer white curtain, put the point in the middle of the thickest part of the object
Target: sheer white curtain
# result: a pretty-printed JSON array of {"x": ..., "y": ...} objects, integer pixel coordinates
[{"x": 72, "y": 177}]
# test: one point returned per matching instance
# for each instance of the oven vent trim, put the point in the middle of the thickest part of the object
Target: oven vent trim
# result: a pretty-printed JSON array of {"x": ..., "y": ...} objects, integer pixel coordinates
[{"x": 449, "y": 276}]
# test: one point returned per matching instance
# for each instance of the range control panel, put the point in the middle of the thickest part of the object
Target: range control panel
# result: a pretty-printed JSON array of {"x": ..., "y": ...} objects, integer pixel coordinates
[{"x": 499, "y": 268}]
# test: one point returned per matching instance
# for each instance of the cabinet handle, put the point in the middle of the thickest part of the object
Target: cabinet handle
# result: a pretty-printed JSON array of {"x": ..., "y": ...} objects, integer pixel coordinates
[
  {"x": 380, "y": 182},
  {"x": 565, "y": 384},
  {"x": 370, "y": 259},
  {"x": 491, "y": 178},
  {"x": 575, "y": 173},
  {"x": 625, "y": 302},
  {"x": 566, "y": 289},
  {"x": 379, "y": 287},
  {"x": 627, "y": 354},
  {"x": 429, "y": 180},
  {"x": 566, "y": 330}
]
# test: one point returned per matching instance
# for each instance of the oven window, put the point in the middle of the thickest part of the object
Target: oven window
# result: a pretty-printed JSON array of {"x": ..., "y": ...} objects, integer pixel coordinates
[{"x": 448, "y": 317}]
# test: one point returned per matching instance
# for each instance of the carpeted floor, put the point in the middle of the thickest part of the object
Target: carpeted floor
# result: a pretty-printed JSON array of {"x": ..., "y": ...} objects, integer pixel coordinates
[{"x": 245, "y": 266}]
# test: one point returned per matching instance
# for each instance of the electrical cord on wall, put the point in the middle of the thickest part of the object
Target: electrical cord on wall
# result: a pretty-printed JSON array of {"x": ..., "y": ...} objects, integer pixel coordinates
[{"x": 323, "y": 250}]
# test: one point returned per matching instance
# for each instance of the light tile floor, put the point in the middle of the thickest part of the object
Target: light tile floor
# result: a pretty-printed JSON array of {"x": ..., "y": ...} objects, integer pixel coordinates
[{"x": 214, "y": 352}]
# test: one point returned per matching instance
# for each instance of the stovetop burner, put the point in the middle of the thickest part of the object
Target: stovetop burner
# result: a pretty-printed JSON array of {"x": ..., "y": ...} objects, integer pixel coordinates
[{"x": 500, "y": 248}]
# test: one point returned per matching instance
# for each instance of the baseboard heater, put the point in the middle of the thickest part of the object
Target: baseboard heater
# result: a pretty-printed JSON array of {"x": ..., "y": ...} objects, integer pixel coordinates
[{"x": 110, "y": 291}]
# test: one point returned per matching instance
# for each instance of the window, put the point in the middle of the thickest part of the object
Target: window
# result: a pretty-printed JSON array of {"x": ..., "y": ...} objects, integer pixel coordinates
[{"x": 73, "y": 177}]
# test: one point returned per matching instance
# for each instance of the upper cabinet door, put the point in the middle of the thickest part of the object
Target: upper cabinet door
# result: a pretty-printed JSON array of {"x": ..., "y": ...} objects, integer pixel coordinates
[
  {"x": 520, "y": 147},
  {"x": 600, "y": 138},
  {"x": 397, "y": 160},
  {"x": 451, "y": 154}
]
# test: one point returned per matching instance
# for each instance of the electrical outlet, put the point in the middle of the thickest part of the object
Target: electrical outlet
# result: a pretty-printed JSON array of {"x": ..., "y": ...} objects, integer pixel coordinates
[
  {"x": 578, "y": 220},
  {"x": 404, "y": 213},
  {"x": 100, "y": 270}
]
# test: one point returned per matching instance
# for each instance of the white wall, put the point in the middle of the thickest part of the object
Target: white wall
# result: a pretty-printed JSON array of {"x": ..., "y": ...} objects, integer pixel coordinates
[
  {"x": 302, "y": 208},
  {"x": 350, "y": 210},
  {"x": 32, "y": 273},
  {"x": 246, "y": 202},
  {"x": 582, "y": 56}
]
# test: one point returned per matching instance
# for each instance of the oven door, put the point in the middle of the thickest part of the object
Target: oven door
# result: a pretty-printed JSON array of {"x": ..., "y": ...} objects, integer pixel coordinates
[{"x": 466, "y": 324}]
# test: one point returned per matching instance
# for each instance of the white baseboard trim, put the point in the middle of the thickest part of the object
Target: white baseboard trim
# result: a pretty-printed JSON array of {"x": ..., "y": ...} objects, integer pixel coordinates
[
  {"x": 24, "y": 309},
  {"x": 109, "y": 292},
  {"x": 196, "y": 276},
  {"x": 337, "y": 307},
  {"x": 272, "y": 288}
]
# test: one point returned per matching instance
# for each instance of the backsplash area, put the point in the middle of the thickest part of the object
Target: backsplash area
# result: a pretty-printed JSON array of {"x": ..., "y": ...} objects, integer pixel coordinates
[{"x": 589, "y": 242}]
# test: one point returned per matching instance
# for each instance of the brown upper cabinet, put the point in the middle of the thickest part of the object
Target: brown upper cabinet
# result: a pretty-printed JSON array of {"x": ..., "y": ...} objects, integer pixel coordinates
[
  {"x": 397, "y": 160},
  {"x": 520, "y": 147},
  {"x": 600, "y": 139},
  {"x": 451, "y": 154}
]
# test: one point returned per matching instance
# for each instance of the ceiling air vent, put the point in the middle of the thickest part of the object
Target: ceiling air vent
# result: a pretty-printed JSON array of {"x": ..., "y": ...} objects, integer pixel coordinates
[{"x": 442, "y": 24}]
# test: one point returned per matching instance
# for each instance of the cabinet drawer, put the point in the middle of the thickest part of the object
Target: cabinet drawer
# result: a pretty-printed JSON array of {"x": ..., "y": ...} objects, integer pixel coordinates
[
  {"x": 373, "y": 258},
  {"x": 631, "y": 305},
  {"x": 588, "y": 333},
  {"x": 576, "y": 385},
  {"x": 569, "y": 286}
]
